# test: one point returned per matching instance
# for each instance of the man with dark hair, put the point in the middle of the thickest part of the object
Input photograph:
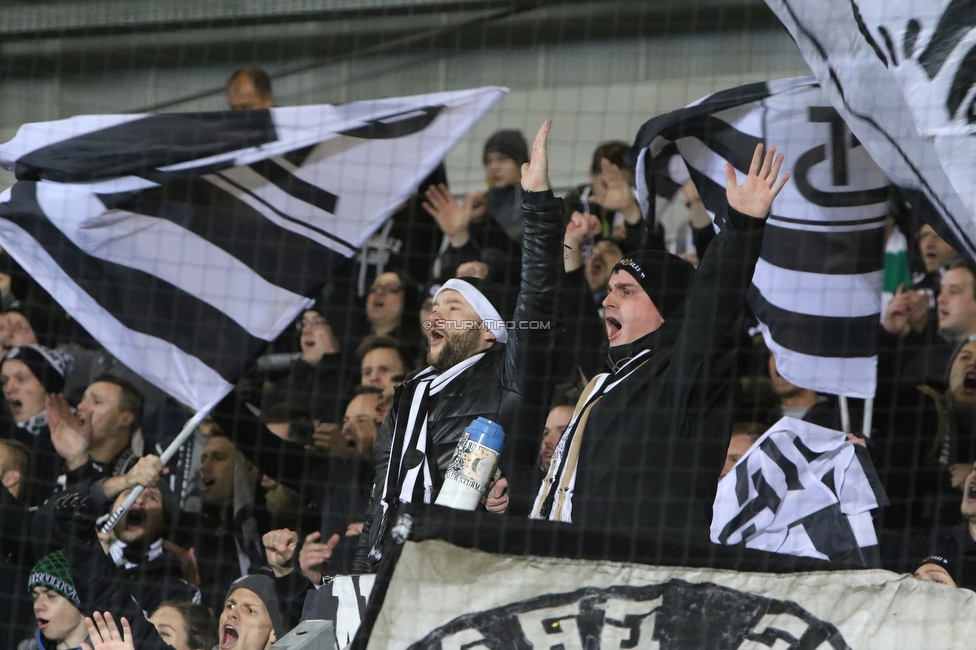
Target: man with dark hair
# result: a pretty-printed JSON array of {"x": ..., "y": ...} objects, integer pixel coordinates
[
  {"x": 744, "y": 434},
  {"x": 98, "y": 442},
  {"x": 249, "y": 88},
  {"x": 381, "y": 359},
  {"x": 656, "y": 424}
]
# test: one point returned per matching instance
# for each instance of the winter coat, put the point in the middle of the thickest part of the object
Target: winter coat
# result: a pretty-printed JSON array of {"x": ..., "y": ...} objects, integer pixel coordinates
[
  {"x": 495, "y": 386},
  {"x": 653, "y": 447}
]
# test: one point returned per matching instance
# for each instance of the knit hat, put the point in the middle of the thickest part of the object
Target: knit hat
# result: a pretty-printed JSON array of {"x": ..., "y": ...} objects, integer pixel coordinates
[
  {"x": 937, "y": 560},
  {"x": 508, "y": 142},
  {"x": 264, "y": 587},
  {"x": 664, "y": 277},
  {"x": 54, "y": 572},
  {"x": 49, "y": 366},
  {"x": 488, "y": 299}
]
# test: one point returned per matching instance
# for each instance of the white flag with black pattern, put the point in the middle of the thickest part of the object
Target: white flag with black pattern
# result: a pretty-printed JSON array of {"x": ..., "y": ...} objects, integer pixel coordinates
[
  {"x": 185, "y": 242},
  {"x": 902, "y": 74},
  {"x": 801, "y": 490},
  {"x": 817, "y": 286}
]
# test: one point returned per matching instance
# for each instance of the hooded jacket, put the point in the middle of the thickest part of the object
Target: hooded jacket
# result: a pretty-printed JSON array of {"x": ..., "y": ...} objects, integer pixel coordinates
[
  {"x": 493, "y": 387},
  {"x": 653, "y": 446}
]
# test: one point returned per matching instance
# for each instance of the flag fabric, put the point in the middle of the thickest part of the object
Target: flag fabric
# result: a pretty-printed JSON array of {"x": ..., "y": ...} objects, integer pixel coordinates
[
  {"x": 444, "y": 597},
  {"x": 801, "y": 490},
  {"x": 901, "y": 74},
  {"x": 185, "y": 242},
  {"x": 817, "y": 285}
]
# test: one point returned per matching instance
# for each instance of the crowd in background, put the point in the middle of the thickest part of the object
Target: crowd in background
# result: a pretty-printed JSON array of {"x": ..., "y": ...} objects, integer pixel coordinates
[{"x": 267, "y": 498}]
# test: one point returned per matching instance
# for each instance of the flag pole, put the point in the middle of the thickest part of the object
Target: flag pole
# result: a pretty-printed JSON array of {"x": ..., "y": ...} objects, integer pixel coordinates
[
  {"x": 845, "y": 414},
  {"x": 174, "y": 446},
  {"x": 868, "y": 416}
]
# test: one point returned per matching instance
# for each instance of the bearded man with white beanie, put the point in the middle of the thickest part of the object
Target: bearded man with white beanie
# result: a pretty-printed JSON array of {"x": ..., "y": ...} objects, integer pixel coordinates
[{"x": 478, "y": 366}]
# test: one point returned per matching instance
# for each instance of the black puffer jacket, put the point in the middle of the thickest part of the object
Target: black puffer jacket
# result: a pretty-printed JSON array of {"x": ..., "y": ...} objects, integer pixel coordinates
[
  {"x": 653, "y": 447},
  {"x": 494, "y": 387}
]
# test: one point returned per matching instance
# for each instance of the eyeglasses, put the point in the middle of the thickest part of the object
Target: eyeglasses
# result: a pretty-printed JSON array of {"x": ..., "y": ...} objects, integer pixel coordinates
[
  {"x": 310, "y": 322},
  {"x": 386, "y": 288}
]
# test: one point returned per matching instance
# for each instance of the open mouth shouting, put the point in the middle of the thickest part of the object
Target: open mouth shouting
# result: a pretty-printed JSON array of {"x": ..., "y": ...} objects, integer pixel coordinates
[
  {"x": 436, "y": 337},
  {"x": 613, "y": 328},
  {"x": 228, "y": 636}
]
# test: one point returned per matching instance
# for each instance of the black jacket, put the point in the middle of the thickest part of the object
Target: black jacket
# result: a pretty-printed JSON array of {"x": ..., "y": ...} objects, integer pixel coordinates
[
  {"x": 495, "y": 386},
  {"x": 653, "y": 446}
]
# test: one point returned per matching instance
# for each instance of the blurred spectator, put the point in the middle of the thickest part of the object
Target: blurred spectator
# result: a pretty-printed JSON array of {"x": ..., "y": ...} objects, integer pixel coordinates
[
  {"x": 744, "y": 435},
  {"x": 57, "y": 607},
  {"x": 391, "y": 310},
  {"x": 936, "y": 256},
  {"x": 558, "y": 419},
  {"x": 226, "y": 534},
  {"x": 29, "y": 374},
  {"x": 289, "y": 423},
  {"x": 313, "y": 380},
  {"x": 152, "y": 572},
  {"x": 15, "y": 468},
  {"x": 382, "y": 359},
  {"x": 935, "y": 568},
  {"x": 794, "y": 401},
  {"x": 249, "y": 88},
  {"x": 924, "y": 445},
  {"x": 483, "y": 220},
  {"x": 185, "y": 626}
]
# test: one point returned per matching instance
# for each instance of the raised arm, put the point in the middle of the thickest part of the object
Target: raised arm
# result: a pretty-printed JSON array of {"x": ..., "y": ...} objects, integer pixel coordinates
[
  {"x": 717, "y": 297},
  {"x": 542, "y": 264}
]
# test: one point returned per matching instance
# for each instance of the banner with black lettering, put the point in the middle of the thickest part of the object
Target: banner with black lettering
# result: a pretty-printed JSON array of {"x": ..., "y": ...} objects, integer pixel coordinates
[
  {"x": 442, "y": 597},
  {"x": 902, "y": 75}
]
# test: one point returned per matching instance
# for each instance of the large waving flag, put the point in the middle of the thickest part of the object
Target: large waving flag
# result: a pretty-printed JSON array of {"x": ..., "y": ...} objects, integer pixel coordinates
[
  {"x": 902, "y": 74},
  {"x": 817, "y": 286},
  {"x": 185, "y": 242}
]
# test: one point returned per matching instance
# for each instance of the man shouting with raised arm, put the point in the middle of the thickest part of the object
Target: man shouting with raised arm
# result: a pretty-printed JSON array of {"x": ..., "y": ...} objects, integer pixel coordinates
[
  {"x": 477, "y": 366},
  {"x": 648, "y": 438}
]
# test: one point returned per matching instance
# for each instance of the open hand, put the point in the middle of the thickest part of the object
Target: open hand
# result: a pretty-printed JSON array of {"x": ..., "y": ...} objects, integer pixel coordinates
[
  {"x": 535, "y": 173},
  {"x": 70, "y": 435},
  {"x": 755, "y": 196},
  {"x": 105, "y": 635},
  {"x": 452, "y": 217}
]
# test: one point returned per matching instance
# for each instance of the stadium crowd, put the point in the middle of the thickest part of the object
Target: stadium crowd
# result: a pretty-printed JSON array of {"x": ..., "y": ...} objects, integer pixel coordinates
[{"x": 295, "y": 477}]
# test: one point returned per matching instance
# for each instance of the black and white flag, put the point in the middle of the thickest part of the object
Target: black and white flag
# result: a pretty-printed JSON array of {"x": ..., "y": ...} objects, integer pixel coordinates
[
  {"x": 902, "y": 74},
  {"x": 184, "y": 242},
  {"x": 817, "y": 285},
  {"x": 801, "y": 490}
]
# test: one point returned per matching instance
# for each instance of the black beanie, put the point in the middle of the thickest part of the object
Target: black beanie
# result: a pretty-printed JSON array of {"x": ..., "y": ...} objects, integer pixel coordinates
[
  {"x": 49, "y": 366},
  {"x": 508, "y": 142},
  {"x": 666, "y": 278},
  {"x": 937, "y": 560},
  {"x": 264, "y": 587}
]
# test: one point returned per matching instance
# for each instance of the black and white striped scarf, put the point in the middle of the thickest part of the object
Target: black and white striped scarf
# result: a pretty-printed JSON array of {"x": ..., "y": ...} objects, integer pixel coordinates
[
  {"x": 409, "y": 459},
  {"x": 555, "y": 498}
]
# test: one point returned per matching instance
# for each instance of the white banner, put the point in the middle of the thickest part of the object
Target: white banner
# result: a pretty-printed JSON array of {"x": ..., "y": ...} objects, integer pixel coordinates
[{"x": 446, "y": 598}]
